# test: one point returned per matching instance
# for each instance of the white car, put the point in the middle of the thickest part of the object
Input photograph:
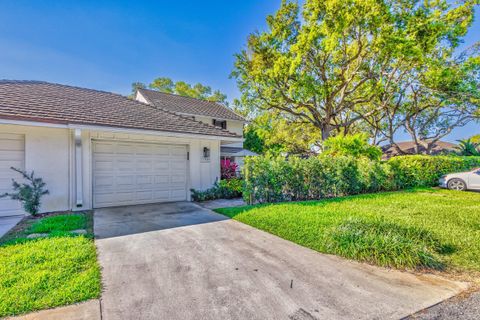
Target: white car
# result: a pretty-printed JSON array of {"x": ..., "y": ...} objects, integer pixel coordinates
[{"x": 461, "y": 181}]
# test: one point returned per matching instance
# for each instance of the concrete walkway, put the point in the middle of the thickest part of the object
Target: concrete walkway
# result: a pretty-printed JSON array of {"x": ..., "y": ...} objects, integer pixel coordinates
[
  {"x": 222, "y": 203},
  {"x": 89, "y": 310},
  {"x": 7, "y": 223},
  {"x": 181, "y": 261}
]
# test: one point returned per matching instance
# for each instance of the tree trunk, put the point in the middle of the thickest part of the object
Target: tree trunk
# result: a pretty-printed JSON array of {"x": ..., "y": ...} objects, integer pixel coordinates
[{"x": 326, "y": 131}]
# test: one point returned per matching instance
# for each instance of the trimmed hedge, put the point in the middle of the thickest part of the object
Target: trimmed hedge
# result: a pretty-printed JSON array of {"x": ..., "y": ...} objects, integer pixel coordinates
[
  {"x": 275, "y": 179},
  {"x": 424, "y": 171}
]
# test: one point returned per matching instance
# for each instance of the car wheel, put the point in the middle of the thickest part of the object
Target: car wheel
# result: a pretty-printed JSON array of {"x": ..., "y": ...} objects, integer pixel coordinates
[{"x": 457, "y": 184}]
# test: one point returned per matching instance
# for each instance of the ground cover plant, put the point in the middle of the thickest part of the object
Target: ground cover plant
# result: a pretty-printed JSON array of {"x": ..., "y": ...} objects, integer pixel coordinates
[
  {"x": 224, "y": 189},
  {"x": 56, "y": 269},
  {"x": 414, "y": 229}
]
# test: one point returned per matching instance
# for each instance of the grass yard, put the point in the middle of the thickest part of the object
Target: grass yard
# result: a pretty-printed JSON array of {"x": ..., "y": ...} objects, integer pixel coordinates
[
  {"x": 58, "y": 269},
  {"x": 416, "y": 229}
]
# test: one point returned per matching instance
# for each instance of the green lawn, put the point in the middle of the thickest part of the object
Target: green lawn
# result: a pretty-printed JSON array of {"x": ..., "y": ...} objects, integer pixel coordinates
[
  {"x": 48, "y": 272},
  {"x": 429, "y": 228}
]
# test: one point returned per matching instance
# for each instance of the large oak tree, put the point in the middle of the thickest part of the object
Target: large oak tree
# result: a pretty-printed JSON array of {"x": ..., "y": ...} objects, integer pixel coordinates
[{"x": 334, "y": 63}]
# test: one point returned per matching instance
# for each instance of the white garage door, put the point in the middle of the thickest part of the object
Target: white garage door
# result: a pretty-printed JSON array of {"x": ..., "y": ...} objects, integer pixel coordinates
[
  {"x": 12, "y": 154},
  {"x": 126, "y": 173}
]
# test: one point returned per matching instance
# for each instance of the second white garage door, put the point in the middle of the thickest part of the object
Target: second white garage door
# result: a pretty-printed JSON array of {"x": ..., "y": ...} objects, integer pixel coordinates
[
  {"x": 12, "y": 154},
  {"x": 126, "y": 173}
]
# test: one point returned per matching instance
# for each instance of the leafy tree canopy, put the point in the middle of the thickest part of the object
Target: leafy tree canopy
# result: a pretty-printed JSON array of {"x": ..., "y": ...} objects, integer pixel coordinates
[
  {"x": 273, "y": 134},
  {"x": 333, "y": 64},
  {"x": 182, "y": 88},
  {"x": 475, "y": 138},
  {"x": 356, "y": 145}
]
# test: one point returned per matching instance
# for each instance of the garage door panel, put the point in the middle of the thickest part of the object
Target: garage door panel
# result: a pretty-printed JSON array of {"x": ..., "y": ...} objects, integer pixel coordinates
[
  {"x": 12, "y": 154},
  {"x": 160, "y": 151},
  {"x": 8, "y": 155},
  {"x": 163, "y": 195},
  {"x": 125, "y": 148},
  {"x": 178, "y": 178},
  {"x": 125, "y": 196},
  {"x": 104, "y": 181},
  {"x": 103, "y": 147},
  {"x": 144, "y": 165},
  {"x": 144, "y": 180},
  {"x": 144, "y": 150},
  {"x": 178, "y": 194},
  {"x": 125, "y": 182},
  {"x": 124, "y": 164},
  {"x": 14, "y": 161},
  {"x": 143, "y": 196},
  {"x": 161, "y": 165},
  {"x": 103, "y": 165},
  {"x": 161, "y": 180},
  {"x": 177, "y": 165},
  {"x": 134, "y": 173},
  {"x": 12, "y": 145},
  {"x": 177, "y": 151}
]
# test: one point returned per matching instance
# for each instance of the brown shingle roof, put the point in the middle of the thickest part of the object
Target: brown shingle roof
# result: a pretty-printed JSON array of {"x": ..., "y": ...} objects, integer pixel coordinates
[
  {"x": 57, "y": 103},
  {"x": 187, "y": 105}
]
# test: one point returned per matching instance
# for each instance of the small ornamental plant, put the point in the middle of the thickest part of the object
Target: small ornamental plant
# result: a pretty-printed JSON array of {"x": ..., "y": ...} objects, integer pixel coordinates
[
  {"x": 28, "y": 193},
  {"x": 228, "y": 169}
]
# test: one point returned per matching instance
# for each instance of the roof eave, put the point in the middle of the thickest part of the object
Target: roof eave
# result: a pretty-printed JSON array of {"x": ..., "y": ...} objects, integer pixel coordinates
[{"x": 99, "y": 127}]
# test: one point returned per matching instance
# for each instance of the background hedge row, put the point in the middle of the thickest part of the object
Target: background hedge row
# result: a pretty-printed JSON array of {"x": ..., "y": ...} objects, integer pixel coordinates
[{"x": 274, "y": 179}]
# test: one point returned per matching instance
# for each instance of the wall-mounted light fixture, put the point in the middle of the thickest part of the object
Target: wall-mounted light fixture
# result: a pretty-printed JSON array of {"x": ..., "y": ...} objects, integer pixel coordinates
[{"x": 206, "y": 153}]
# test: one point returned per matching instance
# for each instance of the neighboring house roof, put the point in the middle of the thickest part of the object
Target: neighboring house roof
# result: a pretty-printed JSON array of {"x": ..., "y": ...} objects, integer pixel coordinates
[
  {"x": 56, "y": 103},
  {"x": 190, "y": 106},
  {"x": 408, "y": 147},
  {"x": 235, "y": 152}
]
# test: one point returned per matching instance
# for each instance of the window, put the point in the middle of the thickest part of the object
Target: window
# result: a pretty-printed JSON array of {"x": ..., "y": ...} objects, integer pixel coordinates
[{"x": 220, "y": 123}]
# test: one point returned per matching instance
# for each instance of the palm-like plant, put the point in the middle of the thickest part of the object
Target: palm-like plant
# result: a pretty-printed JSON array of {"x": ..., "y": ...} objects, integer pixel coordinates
[{"x": 468, "y": 148}]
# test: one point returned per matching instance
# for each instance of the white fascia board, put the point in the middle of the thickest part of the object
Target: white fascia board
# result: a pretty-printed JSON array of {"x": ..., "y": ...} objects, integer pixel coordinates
[
  {"x": 154, "y": 132},
  {"x": 33, "y": 123},
  {"x": 120, "y": 130}
]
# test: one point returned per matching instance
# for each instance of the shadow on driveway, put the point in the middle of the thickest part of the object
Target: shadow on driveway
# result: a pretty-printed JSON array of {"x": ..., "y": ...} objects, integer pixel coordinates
[{"x": 127, "y": 220}]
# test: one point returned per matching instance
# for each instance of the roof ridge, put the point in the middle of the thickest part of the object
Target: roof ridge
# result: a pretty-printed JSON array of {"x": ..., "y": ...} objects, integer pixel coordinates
[
  {"x": 62, "y": 85},
  {"x": 183, "y": 116},
  {"x": 179, "y": 95},
  {"x": 191, "y": 98}
]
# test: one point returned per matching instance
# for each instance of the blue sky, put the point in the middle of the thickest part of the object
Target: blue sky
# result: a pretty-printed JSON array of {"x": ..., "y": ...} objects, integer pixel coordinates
[{"x": 108, "y": 45}]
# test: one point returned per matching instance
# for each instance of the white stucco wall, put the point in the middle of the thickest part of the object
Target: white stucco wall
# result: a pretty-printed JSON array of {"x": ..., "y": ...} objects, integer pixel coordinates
[
  {"x": 47, "y": 152},
  {"x": 140, "y": 97},
  {"x": 232, "y": 125},
  {"x": 50, "y": 153}
]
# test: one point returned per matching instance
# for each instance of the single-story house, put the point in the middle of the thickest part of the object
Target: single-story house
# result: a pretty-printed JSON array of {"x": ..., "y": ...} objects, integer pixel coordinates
[
  {"x": 98, "y": 149},
  {"x": 208, "y": 112},
  {"x": 408, "y": 147}
]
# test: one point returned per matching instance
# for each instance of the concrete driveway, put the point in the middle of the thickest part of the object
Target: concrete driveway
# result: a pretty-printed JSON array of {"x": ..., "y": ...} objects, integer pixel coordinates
[
  {"x": 181, "y": 261},
  {"x": 7, "y": 223}
]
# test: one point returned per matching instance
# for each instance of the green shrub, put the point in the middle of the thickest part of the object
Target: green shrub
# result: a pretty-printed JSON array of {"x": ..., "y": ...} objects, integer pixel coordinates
[
  {"x": 276, "y": 179},
  {"x": 424, "y": 171},
  {"x": 225, "y": 189}
]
